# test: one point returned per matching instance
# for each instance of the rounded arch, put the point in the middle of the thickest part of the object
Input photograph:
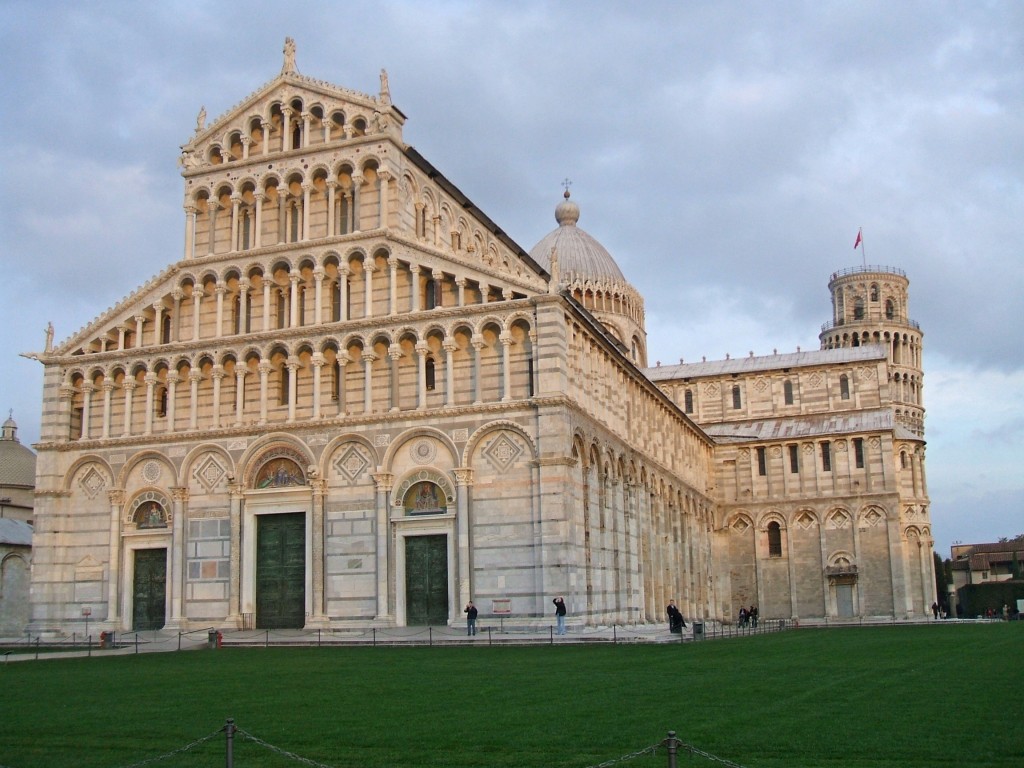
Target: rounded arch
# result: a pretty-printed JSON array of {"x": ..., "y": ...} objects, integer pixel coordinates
[
  {"x": 270, "y": 446},
  {"x": 492, "y": 426},
  {"x": 89, "y": 459},
  {"x": 404, "y": 438},
  {"x": 147, "y": 455}
]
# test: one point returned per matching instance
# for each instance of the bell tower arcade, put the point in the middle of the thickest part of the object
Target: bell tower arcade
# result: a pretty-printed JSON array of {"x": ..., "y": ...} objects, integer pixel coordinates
[{"x": 870, "y": 306}]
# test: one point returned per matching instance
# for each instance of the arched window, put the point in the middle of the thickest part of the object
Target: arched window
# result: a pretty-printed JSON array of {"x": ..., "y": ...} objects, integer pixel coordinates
[
  {"x": 874, "y": 291},
  {"x": 165, "y": 330},
  {"x": 903, "y": 459},
  {"x": 688, "y": 401},
  {"x": 844, "y": 387},
  {"x": 425, "y": 498},
  {"x": 737, "y": 402},
  {"x": 161, "y": 400},
  {"x": 236, "y": 314},
  {"x": 858, "y": 452},
  {"x": 890, "y": 309},
  {"x": 762, "y": 461},
  {"x": 794, "y": 458},
  {"x": 282, "y": 313},
  {"x": 787, "y": 391},
  {"x": 858, "y": 309},
  {"x": 826, "y": 456},
  {"x": 774, "y": 539}
]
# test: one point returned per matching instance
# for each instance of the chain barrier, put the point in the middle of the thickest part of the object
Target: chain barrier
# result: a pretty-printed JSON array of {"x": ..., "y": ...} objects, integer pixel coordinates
[
  {"x": 652, "y": 750},
  {"x": 178, "y": 751},
  {"x": 278, "y": 750},
  {"x": 694, "y": 751}
]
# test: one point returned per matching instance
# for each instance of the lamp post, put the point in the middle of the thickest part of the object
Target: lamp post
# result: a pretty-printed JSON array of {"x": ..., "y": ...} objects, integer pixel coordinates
[{"x": 87, "y": 612}]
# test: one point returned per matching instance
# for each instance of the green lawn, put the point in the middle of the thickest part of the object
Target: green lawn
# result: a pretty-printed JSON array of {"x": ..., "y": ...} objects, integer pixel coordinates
[{"x": 882, "y": 696}]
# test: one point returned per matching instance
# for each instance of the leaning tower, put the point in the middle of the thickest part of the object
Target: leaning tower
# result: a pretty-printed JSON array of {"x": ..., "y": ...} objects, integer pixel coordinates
[{"x": 870, "y": 306}]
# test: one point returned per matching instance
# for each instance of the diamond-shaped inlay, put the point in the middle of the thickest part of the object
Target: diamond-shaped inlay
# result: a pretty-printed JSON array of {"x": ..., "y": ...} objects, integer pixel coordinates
[
  {"x": 502, "y": 451},
  {"x": 805, "y": 520},
  {"x": 92, "y": 482},
  {"x": 838, "y": 520},
  {"x": 815, "y": 379},
  {"x": 209, "y": 472},
  {"x": 761, "y": 385},
  {"x": 740, "y": 525},
  {"x": 352, "y": 463},
  {"x": 870, "y": 518}
]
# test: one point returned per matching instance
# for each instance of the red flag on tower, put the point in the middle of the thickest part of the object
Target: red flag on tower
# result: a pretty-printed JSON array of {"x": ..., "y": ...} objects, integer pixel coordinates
[{"x": 857, "y": 241}]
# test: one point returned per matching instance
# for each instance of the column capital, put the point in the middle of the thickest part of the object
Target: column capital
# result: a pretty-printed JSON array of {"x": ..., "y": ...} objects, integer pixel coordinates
[
  {"x": 422, "y": 348},
  {"x": 151, "y": 378},
  {"x": 437, "y": 274},
  {"x": 369, "y": 357},
  {"x": 318, "y": 360},
  {"x": 108, "y": 386},
  {"x": 191, "y": 208},
  {"x": 195, "y": 376},
  {"x": 385, "y": 174},
  {"x": 179, "y": 493},
  {"x": 369, "y": 268},
  {"x": 395, "y": 352},
  {"x": 463, "y": 476},
  {"x": 264, "y": 366},
  {"x": 293, "y": 365},
  {"x": 384, "y": 480},
  {"x": 116, "y": 497},
  {"x": 177, "y": 294},
  {"x": 244, "y": 285},
  {"x": 449, "y": 345},
  {"x": 129, "y": 384},
  {"x": 221, "y": 287},
  {"x": 393, "y": 261},
  {"x": 218, "y": 372},
  {"x": 319, "y": 273},
  {"x": 294, "y": 278}
]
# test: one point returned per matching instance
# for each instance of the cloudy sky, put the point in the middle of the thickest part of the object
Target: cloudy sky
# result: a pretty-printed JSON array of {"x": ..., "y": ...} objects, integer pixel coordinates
[{"x": 725, "y": 153}]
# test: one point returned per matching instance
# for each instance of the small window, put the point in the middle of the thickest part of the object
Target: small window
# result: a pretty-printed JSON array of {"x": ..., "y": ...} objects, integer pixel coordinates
[
  {"x": 890, "y": 309},
  {"x": 161, "y": 401},
  {"x": 874, "y": 291},
  {"x": 429, "y": 296},
  {"x": 787, "y": 391},
  {"x": 844, "y": 387},
  {"x": 284, "y": 384},
  {"x": 737, "y": 403},
  {"x": 794, "y": 459},
  {"x": 430, "y": 374},
  {"x": 858, "y": 452},
  {"x": 774, "y": 540},
  {"x": 826, "y": 456},
  {"x": 165, "y": 330},
  {"x": 903, "y": 459},
  {"x": 688, "y": 401},
  {"x": 762, "y": 462},
  {"x": 858, "y": 309}
]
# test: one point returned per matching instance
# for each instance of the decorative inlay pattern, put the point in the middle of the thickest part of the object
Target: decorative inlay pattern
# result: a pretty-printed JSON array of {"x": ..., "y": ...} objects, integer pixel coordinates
[
  {"x": 871, "y": 518},
  {"x": 815, "y": 379},
  {"x": 838, "y": 520},
  {"x": 423, "y": 451},
  {"x": 761, "y": 385},
  {"x": 741, "y": 525},
  {"x": 805, "y": 520},
  {"x": 92, "y": 482},
  {"x": 151, "y": 471},
  {"x": 381, "y": 441},
  {"x": 502, "y": 451},
  {"x": 352, "y": 463},
  {"x": 460, "y": 435},
  {"x": 711, "y": 389},
  {"x": 209, "y": 472}
]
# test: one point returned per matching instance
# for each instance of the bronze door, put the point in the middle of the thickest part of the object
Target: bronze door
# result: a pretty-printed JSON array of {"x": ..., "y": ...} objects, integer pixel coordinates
[
  {"x": 281, "y": 571},
  {"x": 426, "y": 580},
  {"x": 149, "y": 589}
]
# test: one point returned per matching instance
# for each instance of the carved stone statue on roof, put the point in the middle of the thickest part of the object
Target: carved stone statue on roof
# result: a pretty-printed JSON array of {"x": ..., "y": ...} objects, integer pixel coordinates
[
  {"x": 289, "y": 56},
  {"x": 201, "y": 120},
  {"x": 385, "y": 90}
]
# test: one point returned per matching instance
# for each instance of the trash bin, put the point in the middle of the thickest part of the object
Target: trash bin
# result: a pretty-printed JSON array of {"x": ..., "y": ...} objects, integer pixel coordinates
[
  {"x": 107, "y": 640},
  {"x": 698, "y": 630},
  {"x": 211, "y": 639}
]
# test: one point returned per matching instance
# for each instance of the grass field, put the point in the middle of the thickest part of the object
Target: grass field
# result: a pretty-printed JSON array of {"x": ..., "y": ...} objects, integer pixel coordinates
[{"x": 886, "y": 696}]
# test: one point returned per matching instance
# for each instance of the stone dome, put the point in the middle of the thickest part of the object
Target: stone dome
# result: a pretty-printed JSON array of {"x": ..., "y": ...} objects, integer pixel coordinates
[
  {"x": 17, "y": 462},
  {"x": 580, "y": 256}
]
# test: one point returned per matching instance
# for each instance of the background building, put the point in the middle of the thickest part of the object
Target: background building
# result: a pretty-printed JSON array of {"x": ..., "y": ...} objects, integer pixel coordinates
[
  {"x": 355, "y": 401},
  {"x": 17, "y": 485}
]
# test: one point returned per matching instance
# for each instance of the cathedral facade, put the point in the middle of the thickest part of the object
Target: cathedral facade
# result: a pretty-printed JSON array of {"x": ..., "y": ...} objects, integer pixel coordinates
[{"x": 354, "y": 401}]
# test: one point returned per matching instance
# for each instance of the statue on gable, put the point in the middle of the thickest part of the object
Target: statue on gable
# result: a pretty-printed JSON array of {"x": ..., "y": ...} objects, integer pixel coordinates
[
  {"x": 201, "y": 120},
  {"x": 49, "y": 338},
  {"x": 385, "y": 90},
  {"x": 289, "y": 56}
]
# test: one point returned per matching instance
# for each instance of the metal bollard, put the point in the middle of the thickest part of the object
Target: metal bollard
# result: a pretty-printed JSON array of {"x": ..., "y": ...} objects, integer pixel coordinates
[
  {"x": 229, "y": 746},
  {"x": 673, "y": 747}
]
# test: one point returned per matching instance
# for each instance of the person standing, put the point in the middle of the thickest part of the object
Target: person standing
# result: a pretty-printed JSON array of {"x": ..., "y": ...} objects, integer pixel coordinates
[
  {"x": 676, "y": 623},
  {"x": 471, "y": 614},
  {"x": 559, "y": 615}
]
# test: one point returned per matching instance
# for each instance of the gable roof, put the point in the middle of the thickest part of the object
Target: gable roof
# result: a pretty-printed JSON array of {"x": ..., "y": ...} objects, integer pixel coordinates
[{"x": 764, "y": 363}]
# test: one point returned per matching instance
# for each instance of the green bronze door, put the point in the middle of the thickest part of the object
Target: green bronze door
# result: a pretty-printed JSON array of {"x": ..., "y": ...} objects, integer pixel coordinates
[
  {"x": 149, "y": 589},
  {"x": 281, "y": 571},
  {"x": 426, "y": 580}
]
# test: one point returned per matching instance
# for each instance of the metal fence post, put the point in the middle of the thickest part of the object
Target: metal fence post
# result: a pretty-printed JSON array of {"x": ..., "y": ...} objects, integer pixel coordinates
[
  {"x": 488, "y": 635},
  {"x": 673, "y": 747},
  {"x": 179, "y": 639},
  {"x": 615, "y": 640},
  {"x": 374, "y": 637},
  {"x": 266, "y": 642},
  {"x": 551, "y": 635},
  {"x": 136, "y": 642},
  {"x": 229, "y": 747},
  {"x": 430, "y": 636}
]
